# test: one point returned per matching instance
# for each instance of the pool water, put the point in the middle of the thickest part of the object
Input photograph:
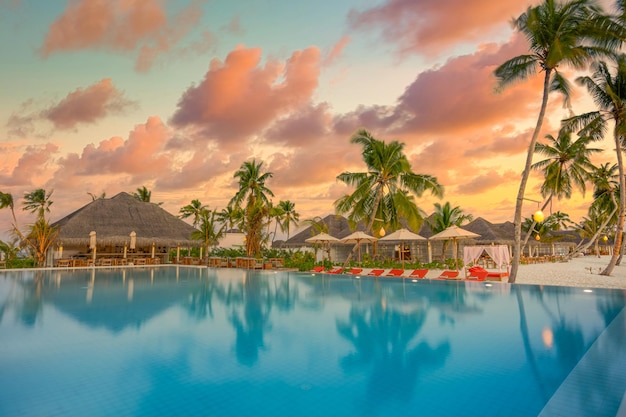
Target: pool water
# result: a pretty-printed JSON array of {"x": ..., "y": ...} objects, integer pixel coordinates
[{"x": 194, "y": 341}]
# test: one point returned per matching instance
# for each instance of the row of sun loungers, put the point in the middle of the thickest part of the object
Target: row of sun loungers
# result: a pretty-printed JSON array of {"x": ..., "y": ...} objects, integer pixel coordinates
[{"x": 474, "y": 273}]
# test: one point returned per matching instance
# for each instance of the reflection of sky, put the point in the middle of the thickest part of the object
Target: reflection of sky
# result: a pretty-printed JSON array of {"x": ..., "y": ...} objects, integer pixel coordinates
[{"x": 321, "y": 346}]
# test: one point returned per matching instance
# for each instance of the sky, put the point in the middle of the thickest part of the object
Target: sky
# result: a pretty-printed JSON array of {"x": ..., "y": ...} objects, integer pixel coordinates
[{"x": 112, "y": 95}]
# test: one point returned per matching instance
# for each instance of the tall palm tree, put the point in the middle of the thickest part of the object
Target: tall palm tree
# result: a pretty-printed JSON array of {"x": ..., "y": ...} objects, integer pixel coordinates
[
  {"x": 143, "y": 194},
  {"x": 195, "y": 209},
  {"x": 566, "y": 166},
  {"x": 559, "y": 33},
  {"x": 608, "y": 91},
  {"x": 381, "y": 196},
  {"x": 288, "y": 216},
  {"x": 37, "y": 201},
  {"x": 445, "y": 216},
  {"x": 252, "y": 184},
  {"x": 253, "y": 189}
]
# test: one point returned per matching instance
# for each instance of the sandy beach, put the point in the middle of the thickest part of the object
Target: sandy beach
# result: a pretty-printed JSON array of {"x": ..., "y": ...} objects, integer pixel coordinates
[{"x": 579, "y": 272}]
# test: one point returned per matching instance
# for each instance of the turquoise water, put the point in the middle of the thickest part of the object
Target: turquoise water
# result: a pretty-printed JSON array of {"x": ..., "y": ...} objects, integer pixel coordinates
[{"x": 192, "y": 341}]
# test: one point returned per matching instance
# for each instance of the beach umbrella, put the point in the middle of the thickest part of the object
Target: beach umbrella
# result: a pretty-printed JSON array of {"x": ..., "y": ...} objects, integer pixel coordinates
[
  {"x": 323, "y": 238},
  {"x": 455, "y": 233},
  {"x": 402, "y": 235},
  {"x": 358, "y": 238}
]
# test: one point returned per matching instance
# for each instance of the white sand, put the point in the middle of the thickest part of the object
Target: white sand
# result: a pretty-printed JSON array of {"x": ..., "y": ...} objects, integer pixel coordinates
[{"x": 579, "y": 272}]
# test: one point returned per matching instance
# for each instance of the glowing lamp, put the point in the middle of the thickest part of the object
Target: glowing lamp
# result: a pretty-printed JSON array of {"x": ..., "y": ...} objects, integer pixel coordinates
[
  {"x": 382, "y": 232},
  {"x": 537, "y": 237},
  {"x": 605, "y": 238},
  {"x": 538, "y": 216}
]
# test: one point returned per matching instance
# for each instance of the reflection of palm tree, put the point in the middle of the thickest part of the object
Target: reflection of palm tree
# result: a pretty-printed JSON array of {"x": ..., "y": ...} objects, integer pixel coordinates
[
  {"x": 285, "y": 295},
  {"x": 201, "y": 301},
  {"x": 32, "y": 304},
  {"x": 251, "y": 325},
  {"x": 382, "y": 338}
]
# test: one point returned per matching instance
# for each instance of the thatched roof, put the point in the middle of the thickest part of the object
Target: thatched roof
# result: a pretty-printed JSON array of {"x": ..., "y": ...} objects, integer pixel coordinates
[{"x": 113, "y": 219}]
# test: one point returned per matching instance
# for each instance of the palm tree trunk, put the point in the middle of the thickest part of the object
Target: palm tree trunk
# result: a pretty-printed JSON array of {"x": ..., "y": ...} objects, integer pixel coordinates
[
  {"x": 622, "y": 205},
  {"x": 517, "y": 246}
]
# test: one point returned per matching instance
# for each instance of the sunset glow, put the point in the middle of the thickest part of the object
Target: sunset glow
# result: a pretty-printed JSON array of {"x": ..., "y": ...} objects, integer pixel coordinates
[{"x": 111, "y": 95}]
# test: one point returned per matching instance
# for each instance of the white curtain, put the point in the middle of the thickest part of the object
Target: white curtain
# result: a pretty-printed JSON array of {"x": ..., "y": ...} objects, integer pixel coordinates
[{"x": 499, "y": 254}]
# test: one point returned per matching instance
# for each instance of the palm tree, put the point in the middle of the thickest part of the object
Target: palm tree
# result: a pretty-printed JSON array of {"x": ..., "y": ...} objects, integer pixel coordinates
[
  {"x": 288, "y": 216},
  {"x": 602, "y": 211},
  {"x": 381, "y": 196},
  {"x": 231, "y": 217},
  {"x": 609, "y": 94},
  {"x": 38, "y": 201},
  {"x": 252, "y": 188},
  {"x": 568, "y": 33},
  {"x": 251, "y": 184},
  {"x": 195, "y": 209},
  {"x": 209, "y": 231},
  {"x": 566, "y": 166},
  {"x": 6, "y": 201},
  {"x": 445, "y": 216},
  {"x": 97, "y": 197}
]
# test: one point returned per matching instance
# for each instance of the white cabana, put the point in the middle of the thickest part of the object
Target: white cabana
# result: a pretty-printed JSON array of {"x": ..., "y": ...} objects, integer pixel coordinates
[{"x": 499, "y": 254}]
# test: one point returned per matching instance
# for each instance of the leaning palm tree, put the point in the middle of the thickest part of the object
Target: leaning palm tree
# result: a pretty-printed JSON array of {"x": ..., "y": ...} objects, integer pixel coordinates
[
  {"x": 195, "y": 209},
  {"x": 608, "y": 91},
  {"x": 566, "y": 166},
  {"x": 559, "y": 33},
  {"x": 382, "y": 193}
]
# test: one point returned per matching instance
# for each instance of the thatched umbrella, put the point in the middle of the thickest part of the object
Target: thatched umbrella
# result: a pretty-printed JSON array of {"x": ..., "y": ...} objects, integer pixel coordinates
[
  {"x": 322, "y": 238},
  {"x": 115, "y": 218},
  {"x": 402, "y": 235},
  {"x": 357, "y": 238},
  {"x": 454, "y": 233}
]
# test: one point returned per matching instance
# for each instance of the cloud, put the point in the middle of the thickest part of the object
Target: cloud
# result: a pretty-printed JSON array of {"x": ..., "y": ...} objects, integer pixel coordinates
[
  {"x": 33, "y": 162},
  {"x": 337, "y": 50},
  {"x": 120, "y": 25},
  {"x": 487, "y": 181},
  {"x": 309, "y": 124},
  {"x": 427, "y": 27},
  {"x": 87, "y": 105},
  {"x": 238, "y": 97},
  {"x": 141, "y": 155}
]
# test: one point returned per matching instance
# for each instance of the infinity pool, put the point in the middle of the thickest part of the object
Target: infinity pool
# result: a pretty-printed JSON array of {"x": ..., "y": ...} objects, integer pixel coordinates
[{"x": 195, "y": 341}]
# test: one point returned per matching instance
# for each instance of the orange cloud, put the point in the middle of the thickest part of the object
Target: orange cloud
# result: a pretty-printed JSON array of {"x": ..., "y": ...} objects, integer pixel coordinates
[
  {"x": 34, "y": 162},
  {"x": 429, "y": 26},
  {"x": 237, "y": 97},
  {"x": 120, "y": 25}
]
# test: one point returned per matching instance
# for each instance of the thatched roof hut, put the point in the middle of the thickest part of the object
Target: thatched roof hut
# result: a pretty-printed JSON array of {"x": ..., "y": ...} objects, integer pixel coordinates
[{"x": 113, "y": 219}]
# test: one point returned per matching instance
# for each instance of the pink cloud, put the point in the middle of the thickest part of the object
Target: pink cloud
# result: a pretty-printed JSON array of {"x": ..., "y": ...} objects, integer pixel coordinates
[
  {"x": 487, "y": 181},
  {"x": 429, "y": 26},
  {"x": 300, "y": 128},
  {"x": 337, "y": 50},
  {"x": 33, "y": 162},
  {"x": 119, "y": 25},
  {"x": 87, "y": 105},
  {"x": 140, "y": 155},
  {"x": 237, "y": 97}
]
